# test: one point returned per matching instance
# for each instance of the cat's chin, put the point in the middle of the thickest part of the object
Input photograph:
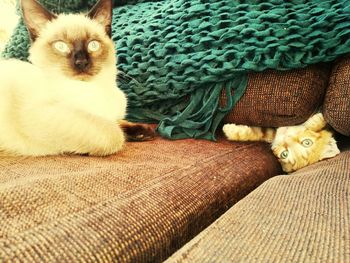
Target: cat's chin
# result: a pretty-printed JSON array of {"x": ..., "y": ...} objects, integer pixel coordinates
[{"x": 83, "y": 76}]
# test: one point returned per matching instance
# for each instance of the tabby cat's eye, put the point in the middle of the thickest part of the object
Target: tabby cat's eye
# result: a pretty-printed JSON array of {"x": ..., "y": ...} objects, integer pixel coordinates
[
  {"x": 306, "y": 143},
  {"x": 93, "y": 46},
  {"x": 61, "y": 47},
  {"x": 284, "y": 154}
]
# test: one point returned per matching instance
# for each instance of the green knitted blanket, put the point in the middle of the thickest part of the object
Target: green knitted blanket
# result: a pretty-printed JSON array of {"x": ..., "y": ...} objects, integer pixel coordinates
[{"x": 178, "y": 56}]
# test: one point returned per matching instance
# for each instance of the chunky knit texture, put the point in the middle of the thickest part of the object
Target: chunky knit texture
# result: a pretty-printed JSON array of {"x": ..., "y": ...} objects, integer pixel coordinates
[{"x": 179, "y": 55}]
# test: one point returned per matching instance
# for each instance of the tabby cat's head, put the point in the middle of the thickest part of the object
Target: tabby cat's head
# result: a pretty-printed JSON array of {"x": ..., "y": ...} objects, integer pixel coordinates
[
  {"x": 77, "y": 46},
  {"x": 299, "y": 146}
]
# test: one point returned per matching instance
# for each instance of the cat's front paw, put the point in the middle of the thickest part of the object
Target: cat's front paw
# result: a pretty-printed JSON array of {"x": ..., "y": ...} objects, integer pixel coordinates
[
  {"x": 109, "y": 143},
  {"x": 235, "y": 132},
  {"x": 316, "y": 122}
]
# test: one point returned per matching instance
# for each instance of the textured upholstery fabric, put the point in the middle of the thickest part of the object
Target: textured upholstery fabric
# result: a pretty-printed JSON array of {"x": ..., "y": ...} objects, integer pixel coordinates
[
  {"x": 337, "y": 101},
  {"x": 303, "y": 217},
  {"x": 281, "y": 98},
  {"x": 138, "y": 206}
]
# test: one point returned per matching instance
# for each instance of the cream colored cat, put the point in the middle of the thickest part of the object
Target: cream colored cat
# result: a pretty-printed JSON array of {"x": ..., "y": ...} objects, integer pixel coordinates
[
  {"x": 66, "y": 101},
  {"x": 294, "y": 146},
  {"x": 8, "y": 21}
]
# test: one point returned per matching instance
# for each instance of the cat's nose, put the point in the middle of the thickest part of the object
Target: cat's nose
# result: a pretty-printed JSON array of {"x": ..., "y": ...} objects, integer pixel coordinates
[
  {"x": 80, "y": 60},
  {"x": 81, "y": 63}
]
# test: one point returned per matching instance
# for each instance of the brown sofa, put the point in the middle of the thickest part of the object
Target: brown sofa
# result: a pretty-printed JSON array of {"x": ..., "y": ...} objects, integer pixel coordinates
[{"x": 151, "y": 199}]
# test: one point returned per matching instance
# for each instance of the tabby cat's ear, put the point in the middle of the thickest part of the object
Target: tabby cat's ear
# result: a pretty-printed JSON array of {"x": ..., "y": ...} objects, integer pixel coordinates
[
  {"x": 102, "y": 13},
  {"x": 35, "y": 17},
  {"x": 330, "y": 150}
]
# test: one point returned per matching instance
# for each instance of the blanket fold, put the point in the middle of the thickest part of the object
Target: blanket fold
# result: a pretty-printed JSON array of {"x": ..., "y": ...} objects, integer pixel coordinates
[{"x": 180, "y": 55}]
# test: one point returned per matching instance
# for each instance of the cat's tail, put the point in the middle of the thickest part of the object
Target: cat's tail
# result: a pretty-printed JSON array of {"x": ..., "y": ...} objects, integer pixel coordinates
[
  {"x": 137, "y": 131},
  {"x": 235, "y": 132}
]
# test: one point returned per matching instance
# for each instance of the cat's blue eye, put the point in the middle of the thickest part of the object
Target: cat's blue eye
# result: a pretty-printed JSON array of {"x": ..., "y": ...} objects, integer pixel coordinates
[
  {"x": 93, "y": 46},
  {"x": 61, "y": 47},
  {"x": 307, "y": 143},
  {"x": 284, "y": 154}
]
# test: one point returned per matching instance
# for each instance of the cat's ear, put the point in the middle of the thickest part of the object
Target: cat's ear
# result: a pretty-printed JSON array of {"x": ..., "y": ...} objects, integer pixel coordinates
[
  {"x": 330, "y": 150},
  {"x": 35, "y": 17},
  {"x": 102, "y": 13}
]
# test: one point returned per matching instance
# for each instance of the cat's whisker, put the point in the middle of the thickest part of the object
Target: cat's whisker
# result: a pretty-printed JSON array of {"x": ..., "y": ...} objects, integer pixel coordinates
[{"x": 124, "y": 78}]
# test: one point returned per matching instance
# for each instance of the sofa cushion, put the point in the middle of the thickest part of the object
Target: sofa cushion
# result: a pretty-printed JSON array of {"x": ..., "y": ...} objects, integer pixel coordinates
[
  {"x": 137, "y": 206},
  {"x": 304, "y": 217},
  {"x": 281, "y": 98},
  {"x": 337, "y": 101}
]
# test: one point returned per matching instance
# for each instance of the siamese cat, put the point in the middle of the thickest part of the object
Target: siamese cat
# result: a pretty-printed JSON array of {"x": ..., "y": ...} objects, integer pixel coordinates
[{"x": 66, "y": 100}]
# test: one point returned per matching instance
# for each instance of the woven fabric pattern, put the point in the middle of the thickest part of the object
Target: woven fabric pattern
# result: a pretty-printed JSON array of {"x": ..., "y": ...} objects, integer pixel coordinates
[
  {"x": 138, "y": 206},
  {"x": 180, "y": 54},
  {"x": 304, "y": 217},
  {"x": 280, "y": 98},
  {"x": 336, "y": 107}
]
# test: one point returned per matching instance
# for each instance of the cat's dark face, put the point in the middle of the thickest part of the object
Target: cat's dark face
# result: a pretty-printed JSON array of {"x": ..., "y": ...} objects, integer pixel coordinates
[{"x": 75, "y": 45}]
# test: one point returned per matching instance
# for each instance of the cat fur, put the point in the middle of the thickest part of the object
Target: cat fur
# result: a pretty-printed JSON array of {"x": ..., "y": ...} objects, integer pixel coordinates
[
  {"x": 290, "y": 141},
  {"x": 46, "y": 107}
]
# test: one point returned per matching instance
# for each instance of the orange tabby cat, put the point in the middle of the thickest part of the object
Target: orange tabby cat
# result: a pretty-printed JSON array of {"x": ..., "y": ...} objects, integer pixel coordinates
[{"x": 294, "y": 146}]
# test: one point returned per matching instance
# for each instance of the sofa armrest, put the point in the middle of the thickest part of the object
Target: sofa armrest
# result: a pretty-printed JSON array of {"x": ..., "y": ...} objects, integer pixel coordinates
[
  {"x": 336, "y": 108},
  {"x": 302, "y": 217}
]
